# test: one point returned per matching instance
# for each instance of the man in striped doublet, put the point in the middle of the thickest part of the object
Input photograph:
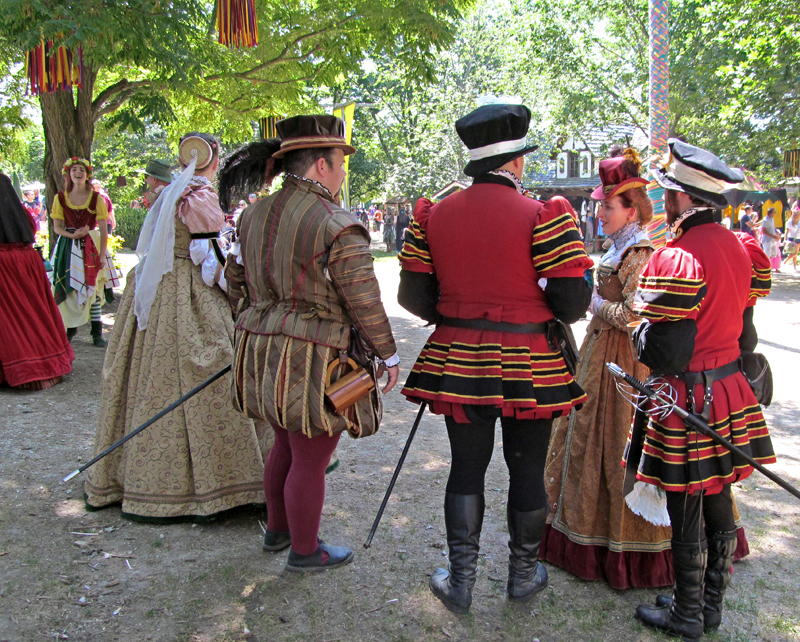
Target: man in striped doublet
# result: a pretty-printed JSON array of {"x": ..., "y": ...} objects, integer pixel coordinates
[
  {"x": 494, "y": 269},
  {"x": 696, "y": 296}
]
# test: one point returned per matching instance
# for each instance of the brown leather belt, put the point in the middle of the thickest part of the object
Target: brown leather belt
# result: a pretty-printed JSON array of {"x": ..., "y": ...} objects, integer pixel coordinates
[{"x": 495, "y": 326}]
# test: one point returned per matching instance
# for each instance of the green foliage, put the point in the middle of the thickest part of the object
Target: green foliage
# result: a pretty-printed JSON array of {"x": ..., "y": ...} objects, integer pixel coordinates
[
  {"x": 121, "y": 153},
  {"x": 583, "y": 64},
  {"x": 129, "y": 224},
  {"x": 160, "y": 62},
  {"x": 406, "y": 136},
  {"x": 154, "y": 62},
  {"x": 733, "y": 71},
  {"x": 14, "y": 117}
]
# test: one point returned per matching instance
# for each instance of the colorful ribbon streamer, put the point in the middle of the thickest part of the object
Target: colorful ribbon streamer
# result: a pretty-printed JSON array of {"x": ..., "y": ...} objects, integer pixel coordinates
[
  {"x": 237, "y": 24},
  {"x": 657, "y": 227},
  {"x": 51, "y": 68}
]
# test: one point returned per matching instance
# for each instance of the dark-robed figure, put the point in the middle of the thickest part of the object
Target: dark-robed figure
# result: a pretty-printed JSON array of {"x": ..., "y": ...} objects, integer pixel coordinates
[
  {"x": 34, "y": 351},
  {"x": 496, "y": 271}
]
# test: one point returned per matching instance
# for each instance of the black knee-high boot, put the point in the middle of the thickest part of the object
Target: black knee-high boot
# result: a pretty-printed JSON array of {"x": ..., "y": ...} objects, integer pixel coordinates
[
  {"x": 526, "y": 575},
  {"x": 721, "y": 549},
  {"x": 71, "y": 332},
  {"x": 463, "y": 518},
  {"x": 97, "y": 334},
  {"x": 683, "y": 618}
]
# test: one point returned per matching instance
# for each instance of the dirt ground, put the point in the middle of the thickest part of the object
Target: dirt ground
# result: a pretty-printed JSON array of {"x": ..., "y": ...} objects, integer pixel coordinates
[{"x": 67, "y": 574}]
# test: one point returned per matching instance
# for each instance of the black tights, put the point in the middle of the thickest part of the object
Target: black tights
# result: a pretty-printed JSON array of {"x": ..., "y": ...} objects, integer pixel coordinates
[
  {"x": 525, "y": 451},
  {"x": 688, "y": 513}
]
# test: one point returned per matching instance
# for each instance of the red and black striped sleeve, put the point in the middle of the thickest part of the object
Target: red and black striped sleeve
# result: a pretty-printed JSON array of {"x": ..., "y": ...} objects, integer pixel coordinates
[
  {"x": 761, "y": 275},
  {"x": 557, "y": 247},
  {"x": 416, "y": 255},
  {"x": 671, "y": 287}
]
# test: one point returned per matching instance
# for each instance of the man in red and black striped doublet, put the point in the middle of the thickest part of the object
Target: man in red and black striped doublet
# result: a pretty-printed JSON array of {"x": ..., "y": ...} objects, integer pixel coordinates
[
  {"x": 488, "y": 247},
  {"x": 494, "y": 270},
  {"x": 696, "y": 296}
]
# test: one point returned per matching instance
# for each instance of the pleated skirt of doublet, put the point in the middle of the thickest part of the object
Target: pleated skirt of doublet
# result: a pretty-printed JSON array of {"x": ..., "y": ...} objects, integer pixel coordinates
[
  {"x": 281, "y": 380},
  {"x": 515, "y": 372},
  {"x": 204, "y": 457},
  {"x": 591, "y": 532},
  {"x": 34, "y": 351},
  {"x": 678, "y": 459}
]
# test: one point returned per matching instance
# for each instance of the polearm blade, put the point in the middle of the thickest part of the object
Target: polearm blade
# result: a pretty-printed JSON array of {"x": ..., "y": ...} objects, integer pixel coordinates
[
  {"x": 413, "y": 432},
  {"x": 702, "y": 427},
  {"x": 149, "y": 422}
]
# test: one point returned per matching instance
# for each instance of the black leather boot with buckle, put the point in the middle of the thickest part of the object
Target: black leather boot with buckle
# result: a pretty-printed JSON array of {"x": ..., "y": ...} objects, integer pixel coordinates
[
  {"x": 683, "y": 618},
  {"x": 463, "y": 518},
  {"x": 526, "y": 575}
]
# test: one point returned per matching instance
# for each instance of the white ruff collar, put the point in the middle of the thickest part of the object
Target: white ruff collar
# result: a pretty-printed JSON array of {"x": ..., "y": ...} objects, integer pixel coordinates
[
  {"x": 684, "y": 216},
  {"x": 506, "y": 174}
]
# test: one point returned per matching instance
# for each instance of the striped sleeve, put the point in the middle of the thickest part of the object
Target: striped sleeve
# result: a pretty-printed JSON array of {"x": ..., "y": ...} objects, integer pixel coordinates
[
  {"x": 557, "y": 246},
  {"x": 416, "y": 255},
  {"x": 671, "y": 287},
  {"x": 761, "y": 270},
  {"x": 351, "y": 270}
]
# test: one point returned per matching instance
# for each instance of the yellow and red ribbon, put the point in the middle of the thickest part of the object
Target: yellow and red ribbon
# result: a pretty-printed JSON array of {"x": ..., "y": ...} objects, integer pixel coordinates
[
  {"x": 237, "y": 24},
  {"x": 50, "y": 68}
]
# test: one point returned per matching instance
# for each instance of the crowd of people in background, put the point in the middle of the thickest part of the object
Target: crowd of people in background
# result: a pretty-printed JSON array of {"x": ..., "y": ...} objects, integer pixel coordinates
[
  {"x": 390, "y": 222},
  {"x": 781, "y": 246}
]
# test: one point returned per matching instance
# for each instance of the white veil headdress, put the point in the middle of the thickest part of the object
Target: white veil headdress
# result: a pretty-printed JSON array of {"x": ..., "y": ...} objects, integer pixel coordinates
[{"x": 156, "y": 244}]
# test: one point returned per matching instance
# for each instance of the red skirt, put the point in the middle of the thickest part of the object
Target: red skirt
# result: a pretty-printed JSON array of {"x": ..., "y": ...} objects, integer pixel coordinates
[
  {"x": 34, "y": 351},
  {"x": 621, "y": 569}
]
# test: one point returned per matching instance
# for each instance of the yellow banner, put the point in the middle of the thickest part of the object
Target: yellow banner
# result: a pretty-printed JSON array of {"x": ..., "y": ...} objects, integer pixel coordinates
[{"x": 347, "y": 114}]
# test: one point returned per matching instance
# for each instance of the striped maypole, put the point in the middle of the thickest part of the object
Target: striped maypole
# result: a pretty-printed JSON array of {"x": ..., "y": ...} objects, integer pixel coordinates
[{"x": 659, "y": 109}]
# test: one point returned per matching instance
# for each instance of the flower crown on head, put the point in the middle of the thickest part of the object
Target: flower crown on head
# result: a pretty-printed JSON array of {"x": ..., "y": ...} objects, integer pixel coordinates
[{"x": 79, "y": 161}]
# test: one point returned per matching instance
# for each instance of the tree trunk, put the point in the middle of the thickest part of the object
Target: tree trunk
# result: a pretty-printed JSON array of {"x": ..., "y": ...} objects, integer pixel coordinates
[{"x": 68, "y": 125}]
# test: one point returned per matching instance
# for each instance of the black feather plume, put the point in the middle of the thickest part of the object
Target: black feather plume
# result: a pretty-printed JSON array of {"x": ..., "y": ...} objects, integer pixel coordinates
[{"x": 247, "y": 170}]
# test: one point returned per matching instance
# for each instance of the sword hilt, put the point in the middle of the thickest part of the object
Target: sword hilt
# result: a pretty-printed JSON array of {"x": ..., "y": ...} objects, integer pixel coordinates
[{"x": 615, "y": 370}]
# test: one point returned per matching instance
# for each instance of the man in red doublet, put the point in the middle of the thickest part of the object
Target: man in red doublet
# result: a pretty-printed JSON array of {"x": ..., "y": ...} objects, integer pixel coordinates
[
  {"x": 494, "y": 270},
  {"x": 696, "y": 296}
]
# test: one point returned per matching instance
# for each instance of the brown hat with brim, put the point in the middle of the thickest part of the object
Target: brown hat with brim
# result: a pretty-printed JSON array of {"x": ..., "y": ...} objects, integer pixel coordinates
[{"x": 306, "y": 132}]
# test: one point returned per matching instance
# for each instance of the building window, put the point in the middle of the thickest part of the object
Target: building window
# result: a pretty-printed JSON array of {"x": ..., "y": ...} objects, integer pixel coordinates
[{"x": 574, "y": 165}]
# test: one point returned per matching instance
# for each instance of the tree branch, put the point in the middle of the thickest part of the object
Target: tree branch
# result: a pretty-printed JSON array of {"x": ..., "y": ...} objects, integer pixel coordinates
[
  {"x": 108, "y": 95},
  {"x": 114, "y": 104},
  {"x": 380, "y": 138},
  {"x": 219, "y": 104},
  {"x": 283, "y": 56}
]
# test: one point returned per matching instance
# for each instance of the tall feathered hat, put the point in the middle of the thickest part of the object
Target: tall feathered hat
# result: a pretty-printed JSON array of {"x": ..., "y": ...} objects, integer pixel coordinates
[
  {"x": 696, "y": 172},
  {"x": 619, "y": 174}
]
